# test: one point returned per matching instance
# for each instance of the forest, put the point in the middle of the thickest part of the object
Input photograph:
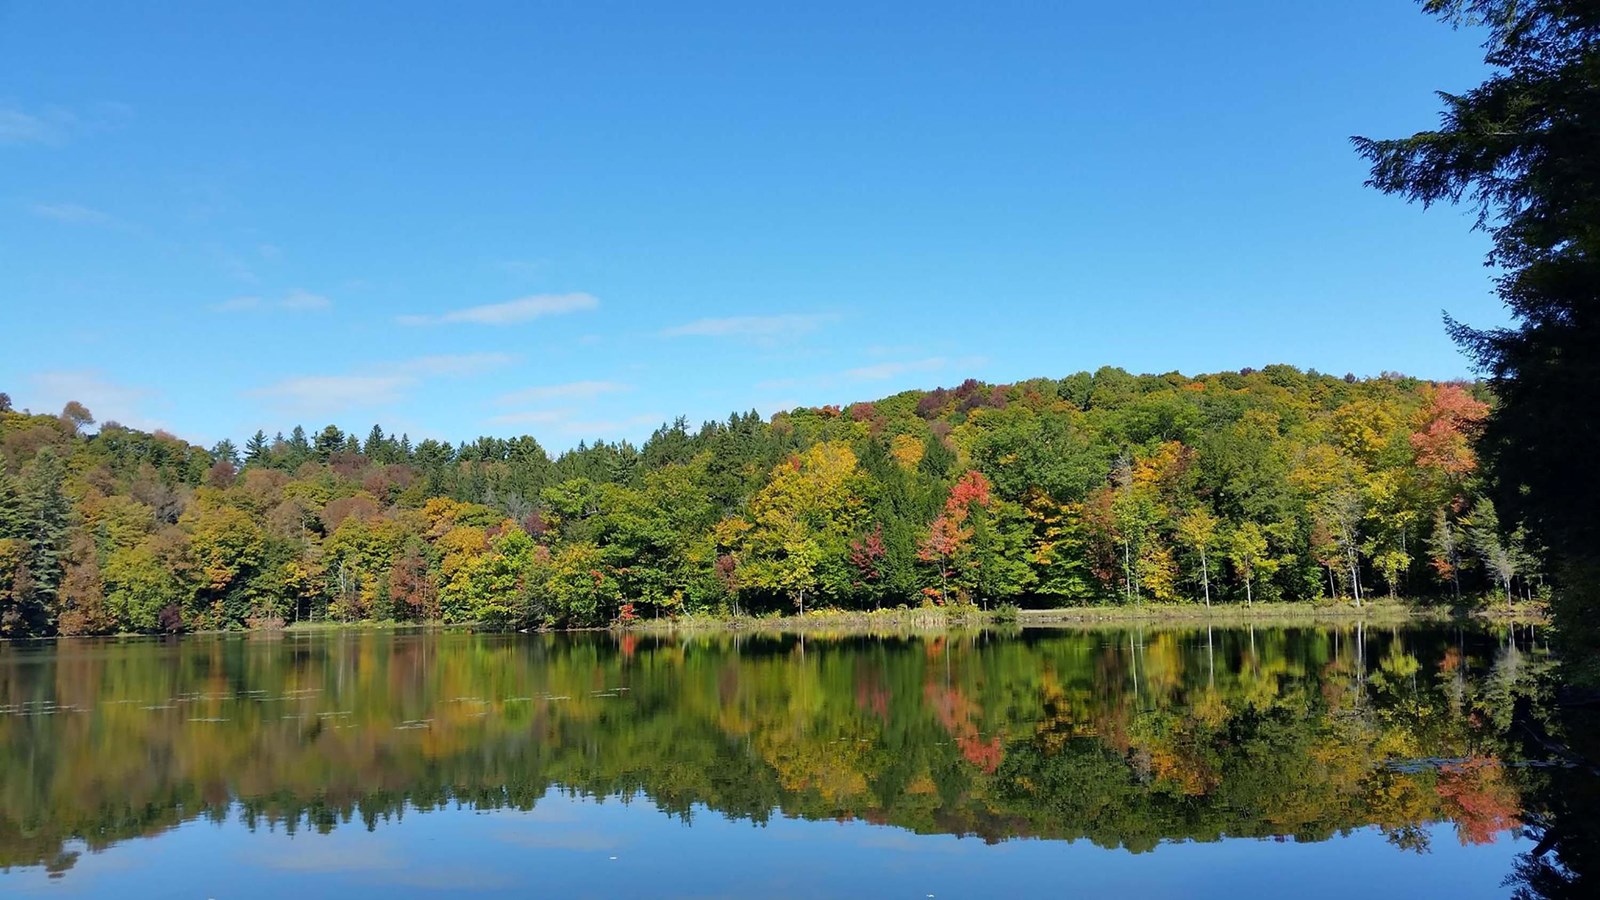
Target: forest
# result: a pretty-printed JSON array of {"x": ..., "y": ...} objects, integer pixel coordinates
[{"x": 1103, "y": 488}]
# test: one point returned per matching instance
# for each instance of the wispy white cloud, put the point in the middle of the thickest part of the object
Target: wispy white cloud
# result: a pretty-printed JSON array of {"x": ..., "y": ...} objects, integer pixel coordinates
[
  {"x": 750, "y": 326},
  {"x": 609, "y": 429},
  {"x": 560, "y": 406},
  {"x": 71, "y": 214},
  {"x": 108, "y": 400},
  {"x": 523, "y": 309},
  {"x": 378, "y": 384},
  {"x": 456, "y": 364},
  {"x": 531, "y": 417},
  {"x": 298, "y": 299},
  {"x": 884, "y": 370},
  {"x": 18, "y": 127},
  {"x": 770, "y": 408},
  {"x": 295, "y": 301},
  {"x": 336, "y": 393},
  {"x": 238, "y": 266},
  {"x": 577, "y": 390},
  {"x": 54, "y": 125}
]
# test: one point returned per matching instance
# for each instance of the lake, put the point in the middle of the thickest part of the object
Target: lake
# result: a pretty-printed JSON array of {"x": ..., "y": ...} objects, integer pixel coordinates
[{"x": 1149, "y": 761}]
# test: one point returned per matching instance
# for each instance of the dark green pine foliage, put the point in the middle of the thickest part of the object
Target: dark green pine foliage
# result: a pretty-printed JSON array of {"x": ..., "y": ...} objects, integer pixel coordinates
[
  {"x": 256, "y": 449},
  {"x": 330, "y": 440},
  {"x": 375, "y": 447},
  {"x": 37, "y": 513},
  {"x": 13, "y": 525},
  {"x": 1524, "y": 149}
]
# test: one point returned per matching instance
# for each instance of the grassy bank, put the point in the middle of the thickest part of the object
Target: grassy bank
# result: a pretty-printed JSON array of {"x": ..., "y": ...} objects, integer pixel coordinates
[
  {"x": 901, "y": 619},
  {"x": 913, "y": 619},
  {"x": 904, "y": 619},
  {"x": 1376, "y": 612},
  {"x": 897, "y": 619}
]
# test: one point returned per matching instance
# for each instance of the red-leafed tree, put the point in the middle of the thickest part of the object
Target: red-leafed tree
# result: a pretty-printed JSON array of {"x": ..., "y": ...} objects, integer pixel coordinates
[
  {"x": 866, "y": 558},
  {"x": 949, "y": 534},
  {"x": 1450, "y": 423}
]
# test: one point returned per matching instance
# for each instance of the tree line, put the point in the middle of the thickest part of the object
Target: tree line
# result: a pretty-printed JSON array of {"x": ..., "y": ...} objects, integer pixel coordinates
[{"x": 1099, "y": 488}]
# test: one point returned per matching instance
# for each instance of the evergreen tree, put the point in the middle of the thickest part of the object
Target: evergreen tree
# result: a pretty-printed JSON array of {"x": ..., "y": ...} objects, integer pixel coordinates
[
  {"x": 299, "y": 445},
  {"x": 330, "y": 440},
  {"x": 256, "y": 449},
  {"x": 375, "y": 447},
  {"x": 12, "y": 523},
  {"x": 1524, "y": 149},
  {"x": 44, "y": 512}
]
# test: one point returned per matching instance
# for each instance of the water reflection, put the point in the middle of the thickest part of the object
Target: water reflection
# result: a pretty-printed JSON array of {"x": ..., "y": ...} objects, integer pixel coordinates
[{"x": 1125, "y": 737}]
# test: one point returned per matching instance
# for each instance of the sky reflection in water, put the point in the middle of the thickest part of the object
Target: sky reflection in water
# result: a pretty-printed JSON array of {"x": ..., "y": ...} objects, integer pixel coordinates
[{"x": 1180, "y": 762}]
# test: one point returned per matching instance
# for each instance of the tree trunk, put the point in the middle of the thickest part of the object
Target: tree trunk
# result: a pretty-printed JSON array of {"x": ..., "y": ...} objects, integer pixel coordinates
[
  {"x": 1205, "y": 577},
  {"x": 1127, "y": 574}
]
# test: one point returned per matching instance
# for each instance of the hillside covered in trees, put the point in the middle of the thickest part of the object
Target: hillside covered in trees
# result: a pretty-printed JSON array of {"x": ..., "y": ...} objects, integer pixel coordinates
[{"x": 1105, "y": 488}]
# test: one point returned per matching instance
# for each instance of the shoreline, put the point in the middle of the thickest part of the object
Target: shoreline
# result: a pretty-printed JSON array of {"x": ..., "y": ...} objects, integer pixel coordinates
[
  {"x": 903, "y": 619},
  {"x": 1383, "y": 611},
  {"x": 932, "y": 619}
]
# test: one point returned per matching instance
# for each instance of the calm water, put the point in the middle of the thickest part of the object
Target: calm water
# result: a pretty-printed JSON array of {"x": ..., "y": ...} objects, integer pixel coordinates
[{"x": 1152, "y": 762}]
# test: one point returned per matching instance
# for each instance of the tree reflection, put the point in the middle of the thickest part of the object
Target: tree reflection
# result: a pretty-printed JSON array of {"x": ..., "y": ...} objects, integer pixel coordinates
[{"x": 1127, "y": 738}]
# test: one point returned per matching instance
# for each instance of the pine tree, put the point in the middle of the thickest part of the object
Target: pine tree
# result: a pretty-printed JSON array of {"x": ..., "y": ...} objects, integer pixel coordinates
[
  {"x": 1521, "y": 149},
  {"x": 299, "y": 445},
  {"x": 12, "y": 523},
  {"x": 373, "y": 449},
  {"x": 38, "y": 517},
  {"x": 256, "y": 449},
  {"x": 330, "y": 440}
]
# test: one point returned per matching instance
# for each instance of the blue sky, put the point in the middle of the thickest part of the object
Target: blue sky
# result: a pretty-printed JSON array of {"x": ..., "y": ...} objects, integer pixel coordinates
[{"x": 575, "y": 220}]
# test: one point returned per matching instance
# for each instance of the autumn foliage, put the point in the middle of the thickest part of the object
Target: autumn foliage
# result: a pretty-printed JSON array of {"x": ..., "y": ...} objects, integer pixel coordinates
[{"x": 1104, "y": 487}]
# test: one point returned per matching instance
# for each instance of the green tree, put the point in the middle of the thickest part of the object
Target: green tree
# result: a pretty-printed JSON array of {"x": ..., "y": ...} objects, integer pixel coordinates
[
  {"x": 1198, "y": 531},
  {"x": 802, "y": 522},
  {"x": 1496, "y": 549},
  {"x": 256, "y": 449},
  {"x": 330, "y": 440},
  {"x": 227, "y": 548},
  {"x": 40, "y": 517},
  {"x": 1247, "y": 550}
]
